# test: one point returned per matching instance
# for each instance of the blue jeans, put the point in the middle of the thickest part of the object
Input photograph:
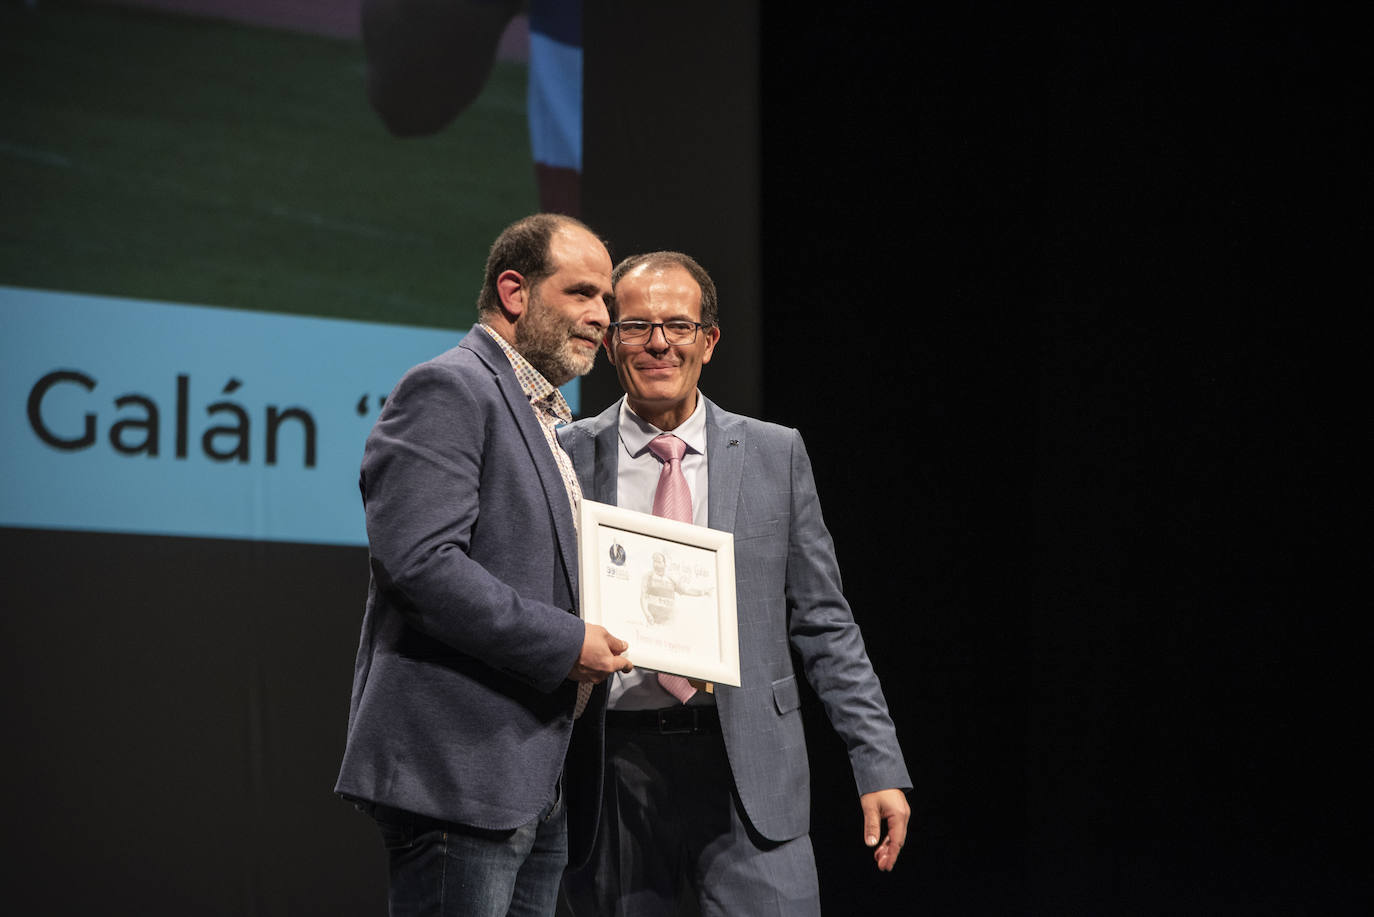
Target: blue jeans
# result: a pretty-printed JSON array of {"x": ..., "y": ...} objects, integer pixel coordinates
[{"x": 440, "y": 869}]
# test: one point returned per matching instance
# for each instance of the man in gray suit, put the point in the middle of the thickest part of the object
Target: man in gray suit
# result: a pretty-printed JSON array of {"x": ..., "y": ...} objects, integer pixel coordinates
[
  {"x": 710, "y": 797},
  {"x": 466, "y": 686}
]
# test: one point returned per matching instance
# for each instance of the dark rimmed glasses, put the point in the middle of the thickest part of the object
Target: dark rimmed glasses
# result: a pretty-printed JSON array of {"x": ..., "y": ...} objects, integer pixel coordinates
[{"x": 674, "y": 332}]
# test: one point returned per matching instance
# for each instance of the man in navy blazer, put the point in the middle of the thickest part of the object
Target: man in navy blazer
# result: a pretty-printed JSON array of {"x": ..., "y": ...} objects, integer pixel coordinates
[
  {"x": 711, "y": 797},
  {"x": 466, "y": 686}
]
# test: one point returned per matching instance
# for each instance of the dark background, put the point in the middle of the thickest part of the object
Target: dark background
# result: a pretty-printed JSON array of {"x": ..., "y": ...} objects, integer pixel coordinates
[{"x": 1042, "y": 297}]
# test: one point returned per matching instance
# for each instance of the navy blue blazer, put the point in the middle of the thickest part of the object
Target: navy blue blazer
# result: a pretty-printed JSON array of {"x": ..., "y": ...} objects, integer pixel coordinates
[
  {"x": 461, "y": 709},
  {"x": 788, "y": 597}
]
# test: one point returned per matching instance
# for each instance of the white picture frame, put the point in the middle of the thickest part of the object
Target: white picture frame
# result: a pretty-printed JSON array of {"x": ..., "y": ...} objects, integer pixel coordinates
[{"x": 665, "y": 587}]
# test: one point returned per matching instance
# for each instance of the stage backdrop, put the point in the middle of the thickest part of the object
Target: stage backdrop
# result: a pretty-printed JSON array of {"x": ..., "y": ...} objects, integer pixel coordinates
[
  {"x": 217, "y": 260},
  {"x": 224, "y": 241}
]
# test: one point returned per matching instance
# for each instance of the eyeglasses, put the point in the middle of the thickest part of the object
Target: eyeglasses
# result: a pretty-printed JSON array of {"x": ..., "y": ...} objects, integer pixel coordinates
[{"x": 676, "y": 332}]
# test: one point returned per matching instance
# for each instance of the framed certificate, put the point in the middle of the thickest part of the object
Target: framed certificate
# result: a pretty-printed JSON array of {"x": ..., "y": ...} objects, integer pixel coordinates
[{"x": 665, "y": 587}]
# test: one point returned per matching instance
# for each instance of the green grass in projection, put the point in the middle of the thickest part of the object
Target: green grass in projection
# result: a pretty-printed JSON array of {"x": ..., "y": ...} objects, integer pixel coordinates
[{"x": 173, "y": 158}]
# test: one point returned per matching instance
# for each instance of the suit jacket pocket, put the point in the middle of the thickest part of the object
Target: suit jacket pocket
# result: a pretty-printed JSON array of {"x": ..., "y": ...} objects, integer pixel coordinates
[
  {"x": 786, "y": 697},
  {"x": 768, "y": 528}
]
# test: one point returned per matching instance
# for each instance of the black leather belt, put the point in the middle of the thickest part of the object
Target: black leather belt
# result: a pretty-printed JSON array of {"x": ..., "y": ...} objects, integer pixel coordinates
[{"x": 681, "y": 720}]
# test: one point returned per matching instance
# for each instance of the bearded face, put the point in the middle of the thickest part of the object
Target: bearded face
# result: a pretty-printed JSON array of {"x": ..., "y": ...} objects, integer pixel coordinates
[{"x": 556, "y": 344}]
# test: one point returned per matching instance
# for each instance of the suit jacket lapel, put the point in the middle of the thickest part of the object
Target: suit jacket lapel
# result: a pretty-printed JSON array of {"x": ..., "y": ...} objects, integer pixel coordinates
[
  {"x": 544, "y": 465},
  {"x": 725, "y": 444},
  {"x": 605, "y": 481},
  {"x": 725, "y": 449}
]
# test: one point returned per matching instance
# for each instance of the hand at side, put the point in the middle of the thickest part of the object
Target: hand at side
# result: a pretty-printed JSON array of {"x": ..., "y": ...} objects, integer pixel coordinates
[{"x": 885, "y": 808}]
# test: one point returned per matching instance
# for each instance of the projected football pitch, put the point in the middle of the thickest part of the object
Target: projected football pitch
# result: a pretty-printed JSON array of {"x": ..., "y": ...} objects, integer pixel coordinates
[{"x": 177, "y": 159}]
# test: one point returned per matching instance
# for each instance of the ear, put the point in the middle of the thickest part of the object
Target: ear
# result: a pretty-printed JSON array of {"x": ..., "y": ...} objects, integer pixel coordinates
[
  {"x": 511, "y": 287},
  {"x": 712, "y": 338},
  {"x": 608, "y": 342}
]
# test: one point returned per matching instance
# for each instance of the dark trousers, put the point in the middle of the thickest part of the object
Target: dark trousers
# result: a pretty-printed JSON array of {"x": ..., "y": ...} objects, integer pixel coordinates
[{"x": 673, "y": 839}]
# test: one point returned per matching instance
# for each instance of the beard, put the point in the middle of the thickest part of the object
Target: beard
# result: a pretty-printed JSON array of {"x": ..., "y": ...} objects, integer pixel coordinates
[{"x": 544, "y": 337}]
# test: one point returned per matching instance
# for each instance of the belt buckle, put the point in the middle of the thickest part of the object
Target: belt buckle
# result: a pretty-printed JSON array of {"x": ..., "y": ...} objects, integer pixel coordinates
[{"x": 689, "y": 718}]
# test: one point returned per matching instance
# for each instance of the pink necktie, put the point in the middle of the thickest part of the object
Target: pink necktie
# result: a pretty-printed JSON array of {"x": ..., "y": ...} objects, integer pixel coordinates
[{"x": 672, "y": 500}]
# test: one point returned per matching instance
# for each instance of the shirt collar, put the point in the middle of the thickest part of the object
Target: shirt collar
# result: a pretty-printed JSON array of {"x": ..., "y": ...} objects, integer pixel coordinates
[
  {"x": 635, "y": 431},
  {"x": 536, "y": 388}
]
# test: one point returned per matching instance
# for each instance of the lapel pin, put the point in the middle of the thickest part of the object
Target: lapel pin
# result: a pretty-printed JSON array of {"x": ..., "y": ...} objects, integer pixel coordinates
[{"x": 734, "y": 442}]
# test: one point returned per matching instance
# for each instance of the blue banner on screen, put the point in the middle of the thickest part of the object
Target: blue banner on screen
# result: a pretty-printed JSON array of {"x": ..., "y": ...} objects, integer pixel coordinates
[{"x": 122, "y": 415}]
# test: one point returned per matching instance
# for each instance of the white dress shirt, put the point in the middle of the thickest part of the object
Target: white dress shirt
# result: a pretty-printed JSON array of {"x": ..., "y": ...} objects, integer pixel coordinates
[{"x": 636, "y": 482}]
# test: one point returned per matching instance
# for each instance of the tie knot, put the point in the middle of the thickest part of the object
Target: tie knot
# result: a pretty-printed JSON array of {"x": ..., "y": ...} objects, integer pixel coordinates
[{"x": 668, "y": 447}]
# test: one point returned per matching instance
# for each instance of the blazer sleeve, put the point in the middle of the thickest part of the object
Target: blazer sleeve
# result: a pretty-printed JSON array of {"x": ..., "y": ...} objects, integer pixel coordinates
[
  {"x": 422, "y": 479},
  {"x": 828, "y": 641}
]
